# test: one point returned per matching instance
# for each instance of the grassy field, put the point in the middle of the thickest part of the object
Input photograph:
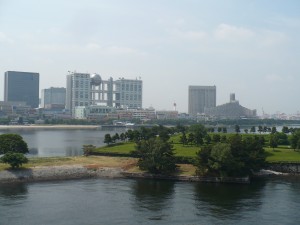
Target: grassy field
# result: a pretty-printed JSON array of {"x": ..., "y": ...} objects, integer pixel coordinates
[
  {"x": 280, "y": 154},
  {"x": 91, "y": 161},
  {"x": 128, "y": 164}
]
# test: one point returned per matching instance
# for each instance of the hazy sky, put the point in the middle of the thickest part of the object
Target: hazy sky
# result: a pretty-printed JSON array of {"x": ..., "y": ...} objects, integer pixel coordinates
[{"x": 247, "y": 47}]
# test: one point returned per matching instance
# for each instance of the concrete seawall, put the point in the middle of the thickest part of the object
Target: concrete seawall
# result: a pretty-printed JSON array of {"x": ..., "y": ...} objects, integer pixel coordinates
[
  {"x": 285, "y": 167},
  {"x": 82, "y": 172},
  {"x": 57, "y": 173}
]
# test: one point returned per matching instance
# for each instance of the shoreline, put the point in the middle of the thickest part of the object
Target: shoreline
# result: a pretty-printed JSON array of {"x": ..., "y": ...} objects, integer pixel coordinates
[
  {"x": 68, "y": 172},
  {"x": 19, "y": 127},
  {"x": 52, "y": 173}
]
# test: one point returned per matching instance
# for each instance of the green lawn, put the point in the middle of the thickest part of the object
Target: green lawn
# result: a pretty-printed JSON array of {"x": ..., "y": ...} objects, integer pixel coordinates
[
  {"x": 280, "y": 154},
  {"x": 126, "y": 148},
  {"x": 123, "y": 148}
]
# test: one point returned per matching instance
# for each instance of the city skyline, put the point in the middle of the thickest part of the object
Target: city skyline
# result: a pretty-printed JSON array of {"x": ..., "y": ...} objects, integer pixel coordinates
[{"x": 250, "y": 48}]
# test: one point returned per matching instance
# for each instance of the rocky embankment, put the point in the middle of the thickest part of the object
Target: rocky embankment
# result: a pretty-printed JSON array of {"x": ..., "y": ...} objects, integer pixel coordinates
[
  {"x": 57, "y": 173},
  {"x": 79, "y": 172}
]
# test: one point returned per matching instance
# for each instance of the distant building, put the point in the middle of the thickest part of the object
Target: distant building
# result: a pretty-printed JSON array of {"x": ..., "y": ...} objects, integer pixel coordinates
[
  {"x": 93, "y": 112},
  {"x": 78, "y": 91},
  {"x": 53, "y": 98},
  {"x": 201, "y": 97},
  {"x": 90, "y": 90},
  {"x": 231, "y": 110},
  {"x": 128, "y": 93},
  {"x": 22, "y": 87},
  {"x": 166, "y": 115}
]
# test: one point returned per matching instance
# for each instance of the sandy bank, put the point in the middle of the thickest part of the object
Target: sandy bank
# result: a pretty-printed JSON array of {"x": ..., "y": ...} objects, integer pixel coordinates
[
  {"x": 12, "y": 127},
  {"x": 58, "y": 173}
]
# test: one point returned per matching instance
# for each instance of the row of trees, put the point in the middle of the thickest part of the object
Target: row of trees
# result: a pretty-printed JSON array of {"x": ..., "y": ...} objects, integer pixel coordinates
[
  {"x": 142, "y": 134},
  {"x": 236, "y": 157},
  {"x": 219, "y": 155},
  {"x": 233, "y": 157}
]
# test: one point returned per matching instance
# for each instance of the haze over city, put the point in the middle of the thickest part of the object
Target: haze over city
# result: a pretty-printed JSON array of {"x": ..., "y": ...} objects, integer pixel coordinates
[{"x": 250, "y": 48}]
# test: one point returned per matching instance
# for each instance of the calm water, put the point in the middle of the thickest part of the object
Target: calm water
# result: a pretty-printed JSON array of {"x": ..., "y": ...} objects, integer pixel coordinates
[
  {"x": 122, "y": 201},
  {"x": 67, "y": 142},
  {"x": 60, "y": 142}
]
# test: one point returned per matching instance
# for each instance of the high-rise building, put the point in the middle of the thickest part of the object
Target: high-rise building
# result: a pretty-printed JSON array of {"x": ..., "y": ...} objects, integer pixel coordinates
[
  {"x": 87, "y": 90},
  {"x": 78, "y": 91},
  {"x": 201, "y": 97},
  {"x": 22, "y": 87},
  {"x": 128, "y": 93},
  {"x": 53, "y": 97}
]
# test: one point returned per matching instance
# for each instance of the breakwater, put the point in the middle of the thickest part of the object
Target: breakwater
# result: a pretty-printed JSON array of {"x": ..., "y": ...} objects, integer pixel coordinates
[
  {"x": 80, "y": 172},
  {"x": 57, "y": 173},
  {"x": 285, "y": 167}
]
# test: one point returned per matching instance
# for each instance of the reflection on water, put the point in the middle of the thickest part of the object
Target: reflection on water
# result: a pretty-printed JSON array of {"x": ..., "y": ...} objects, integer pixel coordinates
[
  {"x": 13, "y": 191},
  {"x": 153, "y": 195},
  {"x": 227, "y": 200},
  {"x": 135, "y": 202}
]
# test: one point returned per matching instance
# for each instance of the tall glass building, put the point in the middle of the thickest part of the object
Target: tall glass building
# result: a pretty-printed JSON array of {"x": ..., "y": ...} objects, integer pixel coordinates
[
  {"x": 22, "y": 87},
  {"x": 53, "y": 97}
]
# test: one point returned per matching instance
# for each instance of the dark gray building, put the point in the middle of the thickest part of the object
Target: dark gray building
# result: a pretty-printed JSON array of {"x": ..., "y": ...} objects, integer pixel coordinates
[
  {"x": 231, "y": 110},
  {"x": 53, "y": 97},
  {"x": 201, "y": 97},
  {"x": 22, "y": 87}
]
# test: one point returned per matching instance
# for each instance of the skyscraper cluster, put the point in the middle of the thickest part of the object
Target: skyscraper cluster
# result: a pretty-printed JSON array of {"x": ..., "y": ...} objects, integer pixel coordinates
[
  {"x": 89, "y": 96},
  {"x": 82, "y": 90}
]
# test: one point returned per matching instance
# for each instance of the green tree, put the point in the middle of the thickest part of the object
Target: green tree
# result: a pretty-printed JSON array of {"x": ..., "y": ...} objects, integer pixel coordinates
[
  {"x": 207, "y": 139},
  {"x": 246, "y": 131},
  {"x": 294, "y": 140},
  {"x": 237, "y": 128},
  {"x": 260, "y": 129},
  {"x": 285, "y": 130},
  {"x": 219, "y": 129},
  {"x": 122, "y": 137},
  {"x": 107, "y": 139},
  {"x": 129, "y": 135},
  {"x": 155, "y": 156},
  {"x": 224, "y": 129},
  {"x": 223, "y": 139},
  {"x": 183, "y": 139},
  {"x": 199, "y": 132},
  {"x": 12, "y": 143},
  {"x": 238, "y": 157},
  {"x": 216, "y": 138},
  {"x": 273, "y": 141},
  {"x": 115, "y": 137},
  {"x": 252, "y": 130},
  {"x": 180, "y": 128},
  {"x": 14, "y": 159},
  {"x": 282, "y": 138},
  {"x": 191, "y": 138},
  {"x": 221, "y": 159},
  {"x": 273, "y": 130}
]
